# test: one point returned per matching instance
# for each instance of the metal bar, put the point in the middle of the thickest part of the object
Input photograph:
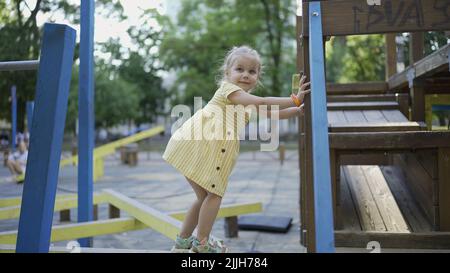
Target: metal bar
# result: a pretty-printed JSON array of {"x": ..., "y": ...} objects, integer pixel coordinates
[
  {"x": 19, "y": 65},
  {"x": 86, "y": 117},
  {"x": 13, "y": 118},
  {"x": 30, "y": 109},
  {"x": 323, "y": 209},
  {"x": 52, "y": 94}
]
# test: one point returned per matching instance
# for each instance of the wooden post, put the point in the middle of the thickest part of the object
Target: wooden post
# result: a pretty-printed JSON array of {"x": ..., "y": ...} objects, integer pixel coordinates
[
  {"x": 114, "y": 212},
  {"x": 416, "y": 86},
  {"x": 417, "y": 94},
  {"x": 282, "y": 151},
  {"x": 231, "y": 227},
  {"x": 391, "y": 55},
  {"x": 64, "y": 215},
  {"x": 52, "y": 93},
  {"x": 444, "y": 188}
]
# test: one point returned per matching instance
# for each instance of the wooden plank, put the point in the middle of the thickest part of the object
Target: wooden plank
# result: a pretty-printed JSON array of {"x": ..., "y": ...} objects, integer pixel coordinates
[
  {"x": 336, "y": 117},
  {"x": 375, "y": 127},
  {"x": 349, "y": 217},
  {"x": 444, "y": 189},
  {"x": 429, "y": 65},
  {"x": 358, "y": 88},
  {"x": 387, "y": 205},
  {"x": 52, "y": 93},
  {"x": 374, "y": 116},
  {"x": 366, "y": 158},
  {"x": 357, "y": 98},
  {"x": 394, "y": 116},
  {"x": 412, "y": 213},
  {"x": 428, "y": 160},
  {"x": 354, "y": 116},
  {"x": 416, "y": 47},
  {"x": 369, "y": 215},
  {"x": 425, "y": 240},
  {"x": 349, "y": 17},
  {"x": 390, "y": 140},
  {"x": 363, "y": 105},
  {"x": 419, "y": 189}
]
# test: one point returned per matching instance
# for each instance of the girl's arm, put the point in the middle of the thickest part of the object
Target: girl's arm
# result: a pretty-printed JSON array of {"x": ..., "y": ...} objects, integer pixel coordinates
[
  {"x": 245, "y": 99},
  {"x": 284, "y": 113}
]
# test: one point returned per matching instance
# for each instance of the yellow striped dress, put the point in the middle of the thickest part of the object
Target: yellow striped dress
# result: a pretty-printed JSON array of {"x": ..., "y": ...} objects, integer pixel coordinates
[{"x": 205, "y": 148}]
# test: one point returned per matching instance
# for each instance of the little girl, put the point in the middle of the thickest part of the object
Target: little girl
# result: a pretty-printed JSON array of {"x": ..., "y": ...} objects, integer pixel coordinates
[{"x": 207, "y": 161}]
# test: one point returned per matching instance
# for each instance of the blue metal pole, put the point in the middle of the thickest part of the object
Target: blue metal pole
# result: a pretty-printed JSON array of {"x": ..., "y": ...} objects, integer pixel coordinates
[
  {"x": 323, "y": 207},
  {"x": 13, "y": 118},
  {"x": 52, "y": 93},
  {"x": 86, "y": 117},
  {"x": 30, "y": 109}
]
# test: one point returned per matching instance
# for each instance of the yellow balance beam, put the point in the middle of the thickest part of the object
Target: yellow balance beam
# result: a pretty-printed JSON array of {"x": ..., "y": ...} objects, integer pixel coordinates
[
  {"x": 154, "y": 219},
  {"x": 113, "y": 226},
  {"x": 16, "y": 201},
  {"x": 13, "y": 212}
]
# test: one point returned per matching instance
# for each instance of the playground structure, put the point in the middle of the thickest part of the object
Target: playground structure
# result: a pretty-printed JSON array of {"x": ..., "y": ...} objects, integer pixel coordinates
[{"x": 380, "y": 124}]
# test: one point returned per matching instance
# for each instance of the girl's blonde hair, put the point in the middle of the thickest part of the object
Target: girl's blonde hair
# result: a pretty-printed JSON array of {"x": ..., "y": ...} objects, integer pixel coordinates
[{"x": 232, "y": 55}]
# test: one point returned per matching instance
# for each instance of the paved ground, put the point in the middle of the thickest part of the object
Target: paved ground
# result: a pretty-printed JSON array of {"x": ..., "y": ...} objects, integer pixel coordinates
[{"x": 258, "y": 176}]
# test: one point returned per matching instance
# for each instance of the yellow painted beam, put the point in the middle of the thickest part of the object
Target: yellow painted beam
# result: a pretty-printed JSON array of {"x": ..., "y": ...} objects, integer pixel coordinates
[
  {"x": 13, "y": 212},
  {"x": 70, "y": 249},
  {"x": 158, "y": 221},
  {"x": 15, "y": 201},
  {"x": 82, "y": 230},
  {"x": 227, "y": 210},
  {"x": 112, "y": 226}
]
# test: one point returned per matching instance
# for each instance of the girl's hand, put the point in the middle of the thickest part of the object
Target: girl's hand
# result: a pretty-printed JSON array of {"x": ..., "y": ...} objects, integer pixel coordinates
[
  {"x": 301, "y": 109},
  {"x": 302, "y": 90}
]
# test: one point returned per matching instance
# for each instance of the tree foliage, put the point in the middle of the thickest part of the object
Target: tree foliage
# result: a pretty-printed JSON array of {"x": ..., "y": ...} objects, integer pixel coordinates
[{"x": 194, "y": 45}]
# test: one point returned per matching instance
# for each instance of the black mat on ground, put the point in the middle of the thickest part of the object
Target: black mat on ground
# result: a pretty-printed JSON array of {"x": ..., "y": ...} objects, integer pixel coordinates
[{"x": 264, "y": 223}]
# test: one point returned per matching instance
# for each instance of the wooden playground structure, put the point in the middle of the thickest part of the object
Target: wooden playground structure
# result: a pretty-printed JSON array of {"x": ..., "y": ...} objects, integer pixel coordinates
[{"x": 374, "y": 126}]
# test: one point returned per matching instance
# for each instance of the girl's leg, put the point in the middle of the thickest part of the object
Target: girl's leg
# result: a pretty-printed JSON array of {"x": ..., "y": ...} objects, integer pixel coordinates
[
  {"x": 207, "y": 216},
  {"x": 14, "y": 167},
  {"x": 191, "y": 219}
]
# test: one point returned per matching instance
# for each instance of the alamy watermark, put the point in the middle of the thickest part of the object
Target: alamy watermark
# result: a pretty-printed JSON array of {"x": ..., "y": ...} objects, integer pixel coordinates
[{"x": 217, "y": 123}]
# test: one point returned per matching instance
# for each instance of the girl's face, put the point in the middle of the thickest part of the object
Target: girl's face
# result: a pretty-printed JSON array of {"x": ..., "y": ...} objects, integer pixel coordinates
[{"x": 244, "y": 72}]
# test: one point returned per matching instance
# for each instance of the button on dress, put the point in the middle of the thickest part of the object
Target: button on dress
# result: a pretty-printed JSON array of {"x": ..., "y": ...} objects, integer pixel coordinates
[{"x": 205, "y": 148}]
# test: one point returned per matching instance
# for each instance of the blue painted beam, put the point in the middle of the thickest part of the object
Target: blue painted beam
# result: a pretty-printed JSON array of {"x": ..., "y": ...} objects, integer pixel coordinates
[
  {"x": 86, "y": 118},
  {"x": 52, "y": 92},
  {"x": 323, "y": 207},
  {"x": 13, "y": 118},
  {"x": 30, "y": 109}
]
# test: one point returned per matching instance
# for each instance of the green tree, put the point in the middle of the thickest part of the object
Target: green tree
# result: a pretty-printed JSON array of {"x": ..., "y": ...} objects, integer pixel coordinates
[{"x": 195, "y": 44}]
